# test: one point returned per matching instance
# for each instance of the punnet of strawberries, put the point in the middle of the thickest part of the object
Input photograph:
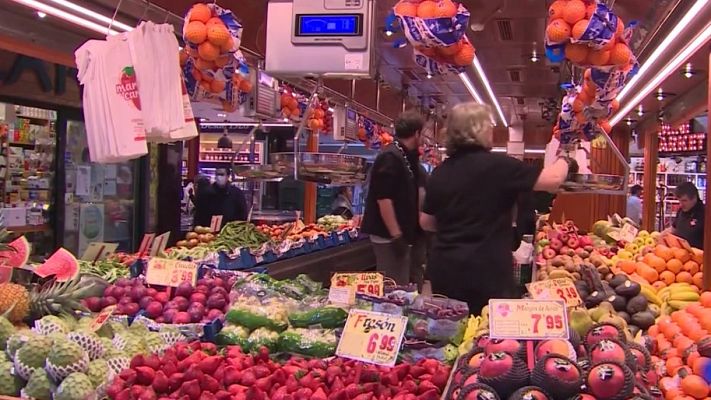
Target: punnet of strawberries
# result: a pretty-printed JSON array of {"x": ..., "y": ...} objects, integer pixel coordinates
[{"x": 199, "y": 371}]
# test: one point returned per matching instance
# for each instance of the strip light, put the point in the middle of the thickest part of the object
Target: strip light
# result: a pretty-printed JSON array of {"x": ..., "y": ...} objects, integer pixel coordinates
[
  {"x": 482, "y": 75},
  {"x": 93, "y": 14},
  {"x": 672, "y": 66},
  {"x": 472, "y": 90},
  {"x": 69, "y": 17},
  {"x": 526, "y": 151},
  {"x": 240, "y": 124},
  {"x": 668, "y": 40}
]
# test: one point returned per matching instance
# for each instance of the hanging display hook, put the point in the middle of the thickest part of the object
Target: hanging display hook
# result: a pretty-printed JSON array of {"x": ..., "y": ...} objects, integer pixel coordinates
[
  {"x": 145, "y": 11},
  {"x": 113, "y": 18}
]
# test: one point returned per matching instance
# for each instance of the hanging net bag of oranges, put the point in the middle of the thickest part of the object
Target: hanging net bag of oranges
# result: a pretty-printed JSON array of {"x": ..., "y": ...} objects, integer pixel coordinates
[
  {"x": 437, "y": 31},
  {"x": 215, "y": 69}
]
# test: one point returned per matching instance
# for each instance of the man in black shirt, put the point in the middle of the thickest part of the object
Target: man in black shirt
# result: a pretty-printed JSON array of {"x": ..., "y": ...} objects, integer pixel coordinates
[
  {"x": 392, "y": 205},
  {"x": 689, "y": 222},
  {"x": 221, "y": 198}
]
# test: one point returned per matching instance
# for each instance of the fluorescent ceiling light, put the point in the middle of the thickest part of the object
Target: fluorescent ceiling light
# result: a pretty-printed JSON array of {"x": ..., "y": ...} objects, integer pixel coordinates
[
  {"x": 482, "y": 75},
  {"x": 526, "y": 151},
  {"x": 657, "y": 80},
  {"x": 69, "y": 17},
  {"x": 668, "y": 40},
  {"x": 92, "y": 14},
  {"x": 470, "y": 87},
  {"x": 238, "y": 124}
]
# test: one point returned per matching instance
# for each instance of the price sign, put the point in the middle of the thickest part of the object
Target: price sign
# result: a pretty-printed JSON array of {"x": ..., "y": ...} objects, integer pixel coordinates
[
  {"x": 556, "y": 289},
  {"x": 372, "y": 337},
  {"x": 527, "y": 319},
  {"x": 101, "y": 319},
  {"x": 164, "y": 272},
  {"x": 159, "y": 244},
  {"x": 342, "y": 295},
  {"x": 628, "y": 232},
  {"x": 216, "y": 223},
  {"x": 146, "y": 243},
  {"x": 370, "y": 283},
  {"x": 98, "y": 251}
]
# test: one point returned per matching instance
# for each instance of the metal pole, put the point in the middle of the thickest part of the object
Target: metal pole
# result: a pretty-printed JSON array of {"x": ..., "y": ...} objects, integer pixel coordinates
[{"x": 707, "y": 220}]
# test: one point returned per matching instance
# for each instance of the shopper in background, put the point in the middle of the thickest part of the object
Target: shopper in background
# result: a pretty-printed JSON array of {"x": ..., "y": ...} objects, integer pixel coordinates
[
  {"x": 343, "y": 204},
  {"x": 689, "y": 222},
  {"x": 469, "y": 205},
  {"x": 391, "y": 209},
  {"x": 226, "y": 199},
  {"x": 200, "y": 195},
  {"x": 634, "y": 204}
]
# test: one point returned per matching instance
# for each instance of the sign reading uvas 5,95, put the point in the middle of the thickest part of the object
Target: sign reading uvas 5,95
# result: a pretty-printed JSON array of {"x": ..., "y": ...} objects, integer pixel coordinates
[
  {"x": 370, "y": 283},
  {"x": 527, "y": 319},
  {"x": 372, "y": 337}
]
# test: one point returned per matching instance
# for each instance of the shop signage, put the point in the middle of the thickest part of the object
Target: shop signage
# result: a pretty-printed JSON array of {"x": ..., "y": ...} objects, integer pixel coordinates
[
  {"x": 216, "y": 223},
  {"x": 370, "y": 283},
  {"x": 372, "y": 337},
  {"x": 556, "y": 289},
  {"x": 164, "y": 272},
  {"x": 159, "y": 244},
  {"x": 342, "y": 295},
  {"x": 32, "y": 78},
  {"x": 101, "y": 319},
  {"x": 98, "y": 251},
  {"x": 527, "y": 319}
]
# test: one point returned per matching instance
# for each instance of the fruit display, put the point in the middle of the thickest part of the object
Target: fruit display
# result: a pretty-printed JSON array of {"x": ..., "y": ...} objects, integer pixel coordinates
[
  {"x": 199, "y": 236},
  {"x": 109, "y": 270},
  {"x": 424, "y": 23},
  {"x": 19, "y": 303},
  {"x": 290, "y": 107},
  {"x": 599, "y": 364},
  {"x": 15, "y": 254},
  {"x": 205, "y": 302},
  {"x": 330, "y": 223},
  {"x": 233, "y": 236},
  {"x": 62, "y": 265},
  {"x": 62, "y": 358}
]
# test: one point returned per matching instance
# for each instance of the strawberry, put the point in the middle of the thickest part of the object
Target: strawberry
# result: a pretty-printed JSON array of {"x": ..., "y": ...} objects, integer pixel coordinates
[
  {"x": 417, "y": 370},
  {"x": 303, "y": 394},
  {"x": 145, "y": 375},
  {"x": 316, "y": 364},
  {"x": 439, "y": 378},
  {"x": 333, "y": 372},
  {"x": 113, "y": 390},
  {"x": 248, "y": 378},
  {"x": 234, "y": 389},
  {"x": 263, "y": 354},
  {"x": 364, "y": 396},
  {"x": 401, "y": 370},
  {"x": 431, "y": 365},
  {"x": 239, "y": 396},
  {"x": 260, "y": 371},
  {"x": 292, "y": 385},
  {"x": 137, "y": 390},
  {"x": 391, "y": 379},
  {"x": 207, "y": 396},
  {"x": 210, "y": 364},
  {"x": 429, "y": 395},
  {"x": 223, "y": 395},
  {"x": 337, "y": 384},
  {"x": 263, "y": 384},
  {"x": 176, "y": 380},
  {"x": 191, "y": 389},
  {"x": 409, "y": 386},
  {"x": 319, "y": 394},
  {"x": 195, "y": 346},
  {"x": 138, "y": 360},
  {"x": 209, "y": 384},
  {"x": 234, "y": 352},
  {"x": 370, "y": 375},
  {"x": 338, "y": 395},
  {"x": 426, "y": 386},
  {"x": 209, "y": 348},
  {"x": 127, "y": 86},
  {"x": 161, "y": 384},
  {"x": 353, "y": 390},
  {"x": 169, "y": 368},
  {"x": 280, "y": 393},
  {"x": 128, "y": 375},
  {"x": 231, "y": 375},
  {"x": 254, "y": 394},
  {"x": 194, "y": 372},
  {"x": 124, "y": 395},
  {"x": 152, "y": 361},
  {"x": 291, "y": 369}
]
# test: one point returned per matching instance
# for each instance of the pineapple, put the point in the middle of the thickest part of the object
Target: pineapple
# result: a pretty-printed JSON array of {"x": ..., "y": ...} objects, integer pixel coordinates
[{"x": 17, "y": 303}]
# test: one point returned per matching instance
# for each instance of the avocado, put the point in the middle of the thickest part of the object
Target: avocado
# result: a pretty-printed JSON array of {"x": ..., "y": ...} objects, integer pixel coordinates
[
  {"x": 634, "y": 329},
  {"x": 637, "y": 304},
  {"x": 628, "y": 289},
  {"x": 619, "y": 303},
  {"x": 594, "y": 299},
  {"x": 624, "y": 316},
  {"x": 582, "y": 286},
  {"x": 618, "y": 280},
  {"x": 643, "y": 320}
]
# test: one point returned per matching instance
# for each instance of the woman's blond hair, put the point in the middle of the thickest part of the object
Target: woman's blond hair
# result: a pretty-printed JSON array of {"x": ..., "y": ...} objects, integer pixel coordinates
[{"x": 468, "y": 125}]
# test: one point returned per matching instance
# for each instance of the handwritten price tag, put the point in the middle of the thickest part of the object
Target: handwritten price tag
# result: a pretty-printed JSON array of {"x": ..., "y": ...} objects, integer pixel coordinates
[
  {"x": 216, "y": 223},
  {"x": 146, "y": 243},
  {"x": 101, "y": 319},
  {"x": 628, "y": 232},
  {"x": 556, "y": 289},
  {"x": 164, "y": 272},
  {"x": 527, "y": 319},
  {"x": 370, "y": 283},
  {"x": 98, "y": 251},
  {"x": 342, "y": 295},
  {"x": 372, "y": 337},
  {"x": 159, "y": 244}
]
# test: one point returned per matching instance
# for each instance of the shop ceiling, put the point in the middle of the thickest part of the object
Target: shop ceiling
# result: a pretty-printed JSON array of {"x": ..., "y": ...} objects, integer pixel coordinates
[{"x": 505, "y": 34}]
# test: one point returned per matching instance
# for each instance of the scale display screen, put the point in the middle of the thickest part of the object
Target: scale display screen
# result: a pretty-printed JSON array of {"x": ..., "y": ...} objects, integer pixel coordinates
[{"x": 329, "y": 24}]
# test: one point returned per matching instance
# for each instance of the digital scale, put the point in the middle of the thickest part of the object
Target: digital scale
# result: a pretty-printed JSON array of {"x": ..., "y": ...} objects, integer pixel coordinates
[{"x": 320, "y": 38}]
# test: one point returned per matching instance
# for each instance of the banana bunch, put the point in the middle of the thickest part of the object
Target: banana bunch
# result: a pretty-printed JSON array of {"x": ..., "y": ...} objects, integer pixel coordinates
[
  {"x": 470, "y": 333},
  {"x": 650, "y": 293},
  {"x": 677, "y": 296}
]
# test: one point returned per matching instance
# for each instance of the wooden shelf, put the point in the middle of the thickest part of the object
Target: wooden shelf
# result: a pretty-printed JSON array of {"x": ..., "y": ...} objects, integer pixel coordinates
[{"x": 30, "y": 228}]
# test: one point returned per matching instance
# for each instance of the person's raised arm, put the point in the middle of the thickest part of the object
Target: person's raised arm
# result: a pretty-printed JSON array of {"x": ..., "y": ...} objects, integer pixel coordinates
[{"x": 554, "y": 175}]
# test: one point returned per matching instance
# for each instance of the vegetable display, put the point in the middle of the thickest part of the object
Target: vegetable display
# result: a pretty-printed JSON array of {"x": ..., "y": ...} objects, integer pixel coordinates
[{"x": 109, "y": 269}]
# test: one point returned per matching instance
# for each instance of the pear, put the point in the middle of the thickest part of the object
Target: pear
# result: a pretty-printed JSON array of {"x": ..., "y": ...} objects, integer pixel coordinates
[
  {"x": 580, "y": 321},
  {"x": 601, "y": 310},
  {"x": 613, "y": 319}
]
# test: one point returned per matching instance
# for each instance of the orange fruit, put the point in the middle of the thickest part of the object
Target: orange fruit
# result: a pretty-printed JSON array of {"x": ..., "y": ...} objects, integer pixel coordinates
[
  {"x": 667, "y": 277},
  {"x": 655, "y": 262},
  {"x": 214, "y": 21},
  {"x": 208, "y": 51},
  {"x": 574, "y": 11},
  {"x": 647, "y": 272},
  {"x": 197, "y": 75},
  {"x": 204, "y": 64},
  {"x": 684, "y": 276},
  {"x": 578, "y": 105},
  {"x": 449, "y": 51},
  {"x": 698, "y": 279},
  {"x": 590, "y": 89},
  {"x": 183, "y": 57},
  {"x": 558, "y": 31},
  {"x": 427, "y": 9},
  {"x": 585, "y": 98},
  {"x": 663, "y": 252},
  {"x": 627, "y": 266},
  {"x": 295, "y": 112},
  {"x": 705, "y": 299},
  {"x": 697, "y": 255},
  {"x": 681, "y": 255},
  {"x": 659, "y": 285},
  {"x": 614, "y": 105},
  {"x": 217, "y": 34},
  {"x": 673, "y": 364},
  {"x": 620, "y": 27},
  {"x": 245, "y": 86},
  {"x": 587, "y": 76},
  {"x": 200, "y": 12},
  {"x": 286, "y": 112},
  {"x": 598, "y": 57},
  {"x": 609, "y": 45},
  {"x": 695, "y": 386},
  {"x": 228, "y": 45},
  {"x": 590, "y": 10},
  {"x": 406, "y": 9},
  {"x": 607, "y": 128},
  {"x": 206, "y": 85},
  {"x": 195, "y": 32},
  {"x": 674, "y": 265},
  {"x": 690, "y": 267},
  {"x": 222, "y": 60},
  {"x": 620, "y": 54},
  {"x": 581, "y": 118},
  {"x": 446, "y": 9},
  {"x": 465, "y": 56},
  {"x": 579, "y": 28},
  {"x": 576, "y": 53},
  {"x": 556, "y": 9},
  {"x": 217, "y": 86}
]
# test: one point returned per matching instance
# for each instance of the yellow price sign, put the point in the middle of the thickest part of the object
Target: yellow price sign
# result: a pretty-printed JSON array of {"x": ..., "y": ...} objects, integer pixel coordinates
[
  {"x": 164, "y": 272},
  {"x": 97, "y": 251},
  {"x": 527, "y": 319},
  {"x": 556, "y": 289},
  {"x": 101, "y": 319},
  {"x": 372, "y": 337},
  {"x": 370, "y": 283}
]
